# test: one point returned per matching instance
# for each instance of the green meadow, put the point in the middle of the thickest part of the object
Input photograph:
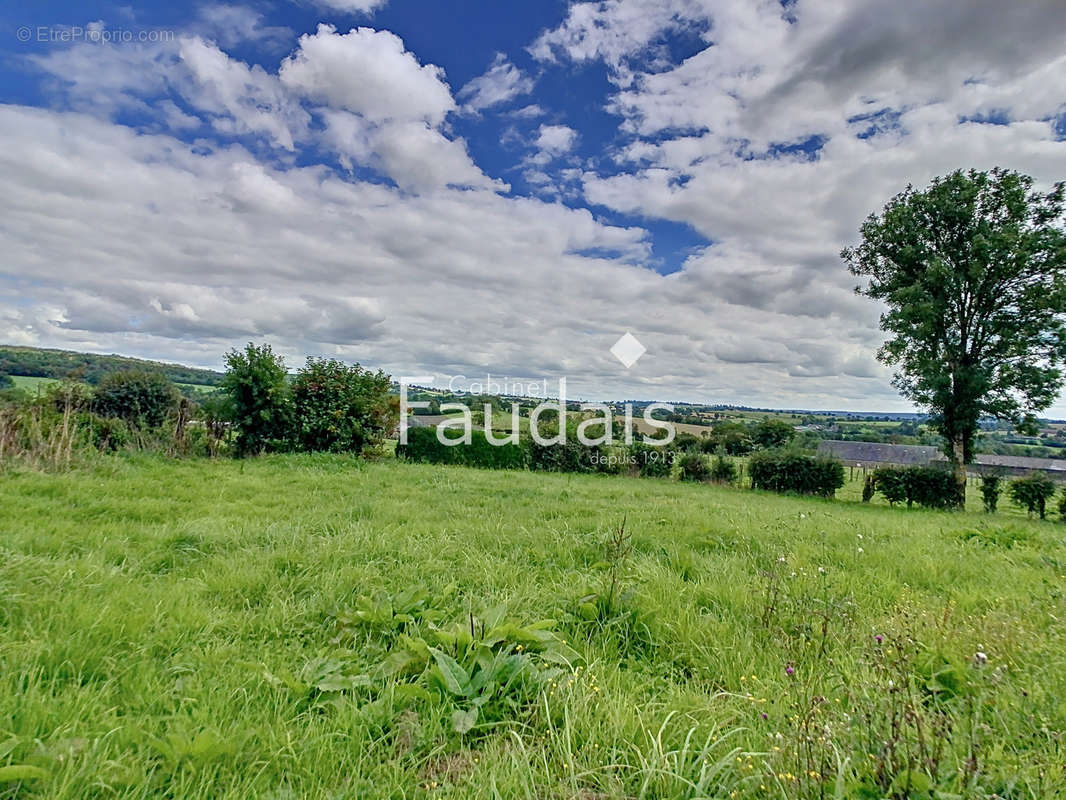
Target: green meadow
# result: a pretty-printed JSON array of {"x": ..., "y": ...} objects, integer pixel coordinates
[{"x": 324, "y": 627}]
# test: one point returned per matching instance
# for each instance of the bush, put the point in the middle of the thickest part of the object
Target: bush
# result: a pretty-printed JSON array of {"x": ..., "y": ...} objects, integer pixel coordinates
[
  {"x": 793, "y": 472},
  {"x": 651, "y": 461},
  {"x": 341, "y": 408},
  {"x": 687, "y": 443},
  {"x": 215, "y": 410},
  {"x": 140, "y": 397},
  {"x": 569, "y": 456},
  {"x": 108, "y": 434},
  {"x": 694, "y": 468},
  {"x": 772, "y": 433},
  {"x": 258, "y": 387},
  {"x": 1033, "y": 492},
  {"x": 869, "y": 488},
  {"x": 732, "y": 436},
  {"x": 423, "y": 445},
  {"x": 723, "y": 470},
  {"x": 990, "y": 490},
  {"x": 930, "y": 487},
  {"x": 6, "y": 382}
]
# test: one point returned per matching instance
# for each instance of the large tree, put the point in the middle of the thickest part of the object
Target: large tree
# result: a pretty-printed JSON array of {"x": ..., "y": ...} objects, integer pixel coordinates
[
  {"x": 972, "y": 273},
  {"x": 342, "y": 408},
  {"x": 258, "y": 387}
]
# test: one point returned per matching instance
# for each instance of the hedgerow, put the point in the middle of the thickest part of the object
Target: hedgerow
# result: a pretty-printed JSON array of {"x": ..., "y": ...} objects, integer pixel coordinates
[
  {"x": 423, "y": 445},
  {"x": 794, "y": 472},
  {"x": 930, "y": 487}
]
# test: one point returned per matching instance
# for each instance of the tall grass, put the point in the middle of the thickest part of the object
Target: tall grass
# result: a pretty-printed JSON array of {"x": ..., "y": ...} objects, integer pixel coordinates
[
  {"x": 163, "y": 626},
  {"x": 38, "y": 437}
]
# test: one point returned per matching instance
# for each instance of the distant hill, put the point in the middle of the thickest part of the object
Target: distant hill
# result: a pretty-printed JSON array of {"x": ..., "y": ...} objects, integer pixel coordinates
[{"x": 36, "y": 362}]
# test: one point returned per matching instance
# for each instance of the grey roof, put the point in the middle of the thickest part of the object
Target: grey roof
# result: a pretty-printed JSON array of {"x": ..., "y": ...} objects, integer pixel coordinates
[
  {"x": 905, "y": 454},
  {"x": 1021, "y": 462},
  {"x": 876, "y": 453}
]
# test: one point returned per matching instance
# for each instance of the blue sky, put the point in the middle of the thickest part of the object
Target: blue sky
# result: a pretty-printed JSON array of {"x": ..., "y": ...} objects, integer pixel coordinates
[{"x": 498, "y": 187}]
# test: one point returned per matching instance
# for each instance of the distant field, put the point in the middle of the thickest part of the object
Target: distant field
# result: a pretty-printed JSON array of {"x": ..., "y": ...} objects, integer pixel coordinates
[
  {"x": 33, "y": 384},
  {"x": 30, "y": 384},
  {"x": 196, "y": 629},
  {"x": 198, "y": 387}
]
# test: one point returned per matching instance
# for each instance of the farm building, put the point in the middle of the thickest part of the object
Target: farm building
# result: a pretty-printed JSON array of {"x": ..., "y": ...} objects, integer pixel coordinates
[{"x": 872, "y": 455}]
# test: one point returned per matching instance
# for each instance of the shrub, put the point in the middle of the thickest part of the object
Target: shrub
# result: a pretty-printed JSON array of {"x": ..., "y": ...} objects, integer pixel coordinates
[
  {"x": 733, "y": 436},
  {"x": 569, "y": 456},
  {"x": 107, "y": 434},
  {"x": 341, "y": 408},
  {"x": 1062, "y": 506},
  {"x": 6, "y": 382},
  {"x": 869, "y": 488},
  {"x": 423, "y": 445},
  {"x": 687, "y": 443},
  {"x": 216, "y": 412},
  {"x": 930, "y": 487},
  {"x": 694, "y": 468},
  {"x": 140, "y": 397},
  {"x": 651, "y": 461},
  {"x": 258, "y": 387},
  {"x": 990, "y": 490},
  {"x": 1033, "y": 492},
  {"x": 723, "y": 470},
  {"x": 794, "y": 472},
  {"x": 772, "y": 433}
]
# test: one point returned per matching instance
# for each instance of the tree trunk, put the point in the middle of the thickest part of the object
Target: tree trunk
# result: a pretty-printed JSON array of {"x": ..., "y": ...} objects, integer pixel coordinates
[{"x": 958, "y": 463}]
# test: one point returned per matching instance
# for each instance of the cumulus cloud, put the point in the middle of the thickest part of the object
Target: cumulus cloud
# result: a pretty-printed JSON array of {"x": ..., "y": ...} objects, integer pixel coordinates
[
  {"x": 222, "y": 215},
  {"x": 374, "y": 104},
  {"x": 615, "y": 30},
  {"x": 555, "y": 139},
  {"x": 367, "y": 72},
  {"x": 501, "y": 83},
  {"x": 777, "y": 139}
]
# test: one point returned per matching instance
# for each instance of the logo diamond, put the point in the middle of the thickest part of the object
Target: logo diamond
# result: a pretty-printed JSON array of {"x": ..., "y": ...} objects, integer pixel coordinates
[{"x": 628, "y": 349}]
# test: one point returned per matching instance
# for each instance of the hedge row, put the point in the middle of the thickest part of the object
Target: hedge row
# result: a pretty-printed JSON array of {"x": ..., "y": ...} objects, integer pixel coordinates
[
  {"x": 423, "y": 445},
  {"x": 776, "y": 471},
  {"x": 930, "y": 487},
  {"x": 794, "y": 472}
]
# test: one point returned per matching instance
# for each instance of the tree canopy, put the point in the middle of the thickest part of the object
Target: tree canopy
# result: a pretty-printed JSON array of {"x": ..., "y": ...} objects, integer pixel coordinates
[{"x": 972, "y": 273}]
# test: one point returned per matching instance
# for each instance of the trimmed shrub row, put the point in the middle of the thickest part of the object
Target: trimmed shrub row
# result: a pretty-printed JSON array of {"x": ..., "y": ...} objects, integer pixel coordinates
[
  {"x": 776, "y": 471},
  {"x": 929, "y": 487},
  {"x": 794, "y": 472},
  {"x": 423, "y": 445}
]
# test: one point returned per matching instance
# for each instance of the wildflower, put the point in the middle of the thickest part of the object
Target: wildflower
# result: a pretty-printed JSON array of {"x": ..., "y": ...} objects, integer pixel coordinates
[
  {"x": 765, "y": 715},
  {"x": 980, "y": 659},
  {"x": 878, "y": 638},
  {"x": 861, "y": 550},
  {"x": 789, "y": 670}
]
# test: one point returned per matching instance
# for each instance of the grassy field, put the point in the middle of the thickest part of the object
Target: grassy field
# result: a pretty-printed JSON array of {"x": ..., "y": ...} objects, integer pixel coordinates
[
  {"x": 318, "y": 627},
  {"x": 32, "y": 384}
]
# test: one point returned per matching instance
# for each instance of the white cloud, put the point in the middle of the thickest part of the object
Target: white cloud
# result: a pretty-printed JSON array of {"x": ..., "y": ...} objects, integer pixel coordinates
[
  {"x": 367, "y": 72},
  {"x": 378, "y": 107},
  {"x": 132, "y": 240},
  {"x": 501, "y": 83},
  {"x": 241, "y": 99},
  {"x": 614, "y": 30},
  {"x": 555, "y": 139},
  {"x": 353, "y": 6}
]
